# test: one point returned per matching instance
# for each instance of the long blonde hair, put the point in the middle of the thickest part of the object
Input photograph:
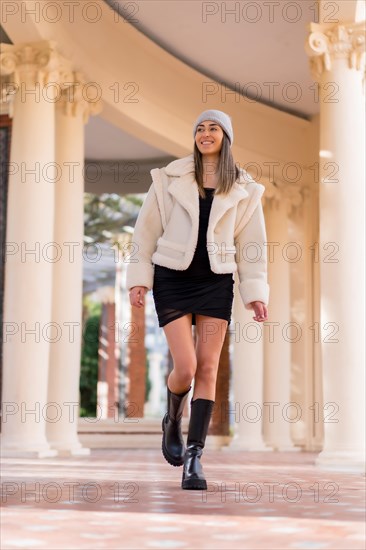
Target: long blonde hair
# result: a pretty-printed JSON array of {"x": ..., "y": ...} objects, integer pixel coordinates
[{"x": 228, "y": 171}]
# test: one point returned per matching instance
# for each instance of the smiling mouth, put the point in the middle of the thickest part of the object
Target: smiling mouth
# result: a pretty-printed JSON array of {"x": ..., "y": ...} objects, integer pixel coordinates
[{"x": 206, "y": 142}]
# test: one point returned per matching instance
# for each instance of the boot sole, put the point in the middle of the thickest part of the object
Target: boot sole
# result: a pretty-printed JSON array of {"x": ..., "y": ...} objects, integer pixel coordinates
[
  {"x": 194, "y": 484},
  {"x": 172, "y": 461}
]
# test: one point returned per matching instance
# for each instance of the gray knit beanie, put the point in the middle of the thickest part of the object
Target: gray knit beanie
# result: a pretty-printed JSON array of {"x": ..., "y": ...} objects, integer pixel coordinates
[{"x": 216, "y": 116}]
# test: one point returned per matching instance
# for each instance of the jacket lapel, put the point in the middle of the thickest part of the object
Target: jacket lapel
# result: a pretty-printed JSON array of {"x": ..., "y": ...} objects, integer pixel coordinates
[{"x": 184, "y": 188}]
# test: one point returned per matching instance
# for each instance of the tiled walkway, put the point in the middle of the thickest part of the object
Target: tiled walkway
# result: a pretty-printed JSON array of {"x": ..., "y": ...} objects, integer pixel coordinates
[{"x": 132, "y": 499}]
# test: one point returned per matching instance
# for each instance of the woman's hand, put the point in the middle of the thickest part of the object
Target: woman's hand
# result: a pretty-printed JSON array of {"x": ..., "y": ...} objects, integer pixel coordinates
[
  {"x": 260, "y": 310},
  {"x": 137, "y": 295}
]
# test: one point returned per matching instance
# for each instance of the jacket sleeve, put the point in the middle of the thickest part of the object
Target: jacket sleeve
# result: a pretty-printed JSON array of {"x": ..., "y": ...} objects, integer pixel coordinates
[
  {"x": 148, "y": 228},
  {"x": 252, "y": 260}
]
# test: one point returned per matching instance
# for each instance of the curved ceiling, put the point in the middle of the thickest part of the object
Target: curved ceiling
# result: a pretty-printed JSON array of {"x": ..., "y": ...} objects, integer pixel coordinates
[
  {"x": 255, "y": 49},
  {"x": 103, "y": 141},
  {"x": 273, "y": 56},
  {"x": 250, "y": 46}
]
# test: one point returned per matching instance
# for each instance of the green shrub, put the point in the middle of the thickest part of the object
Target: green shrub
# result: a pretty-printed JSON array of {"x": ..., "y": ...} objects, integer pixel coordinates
[{"x": 89, "y": 366}]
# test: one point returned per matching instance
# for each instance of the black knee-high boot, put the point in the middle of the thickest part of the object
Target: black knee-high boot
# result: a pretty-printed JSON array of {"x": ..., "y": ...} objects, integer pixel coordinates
[
  {"x": 173, "y": 444},
  {"x": 193, "y": 476}
]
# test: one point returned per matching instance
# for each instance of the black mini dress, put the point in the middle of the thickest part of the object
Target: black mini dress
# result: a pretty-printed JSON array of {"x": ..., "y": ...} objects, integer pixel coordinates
[{"x": 196, "y": 289}]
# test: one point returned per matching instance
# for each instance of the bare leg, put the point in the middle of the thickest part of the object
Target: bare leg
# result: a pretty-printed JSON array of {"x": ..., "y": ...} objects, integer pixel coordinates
[
  {"x": 180, "y": 341},
  {"x": 210, "y": 339}
]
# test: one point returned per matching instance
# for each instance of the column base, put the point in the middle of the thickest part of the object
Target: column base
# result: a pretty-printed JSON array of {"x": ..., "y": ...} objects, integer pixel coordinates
[
  {"x": 20, "y": 447},
  {"x": 238, "y": 444},
  {"x": 79, "y": 451},
  {"x": 70, "y": 448},
  {"x": 17, "y": 453},
  {"x": 287, "y": 449},
  {"x": 217, "y": 442},
  {"x": 341, "y": 461}
]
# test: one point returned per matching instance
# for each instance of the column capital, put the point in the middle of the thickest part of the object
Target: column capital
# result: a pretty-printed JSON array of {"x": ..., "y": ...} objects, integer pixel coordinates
[
  {"x": 327, "y": 42},
  {"x": 34, "y": 62},
  {"x": 75, "y": 99}
]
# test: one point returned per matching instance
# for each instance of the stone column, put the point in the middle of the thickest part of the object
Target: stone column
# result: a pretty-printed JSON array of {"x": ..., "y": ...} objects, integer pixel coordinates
[
  {"x": 337, "y": 60},
  {"x": 247, "y": 378},
  {"x": 35, "y": 71},
  {"x": 305, "y": 386},
  {"x": 153, "y": 407},
  {"x": 277, "y": 348},
  {"x": 72, "y": 112}
]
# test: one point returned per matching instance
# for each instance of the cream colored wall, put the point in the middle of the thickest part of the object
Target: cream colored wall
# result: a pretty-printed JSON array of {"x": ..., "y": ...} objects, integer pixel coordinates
[{"x": 306, "y": 387}]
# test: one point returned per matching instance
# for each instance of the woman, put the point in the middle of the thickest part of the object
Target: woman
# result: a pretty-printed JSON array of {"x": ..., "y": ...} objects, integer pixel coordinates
[{"x": 195, "y": 208}]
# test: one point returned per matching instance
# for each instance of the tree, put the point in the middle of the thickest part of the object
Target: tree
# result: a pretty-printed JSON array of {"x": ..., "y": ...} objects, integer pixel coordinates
[
  {"x": 108, "y": 214},
  {"x": 89, "y": 366},
  {"x": 105, "y": 217}
]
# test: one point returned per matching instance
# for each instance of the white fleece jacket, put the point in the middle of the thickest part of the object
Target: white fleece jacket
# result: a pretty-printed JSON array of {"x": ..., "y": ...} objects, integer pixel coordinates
[{"x": 166, "y": 230}]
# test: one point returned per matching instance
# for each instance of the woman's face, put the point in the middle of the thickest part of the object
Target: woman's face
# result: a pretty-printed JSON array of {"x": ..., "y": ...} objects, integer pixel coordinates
[{"x": 209, "y": 136}]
